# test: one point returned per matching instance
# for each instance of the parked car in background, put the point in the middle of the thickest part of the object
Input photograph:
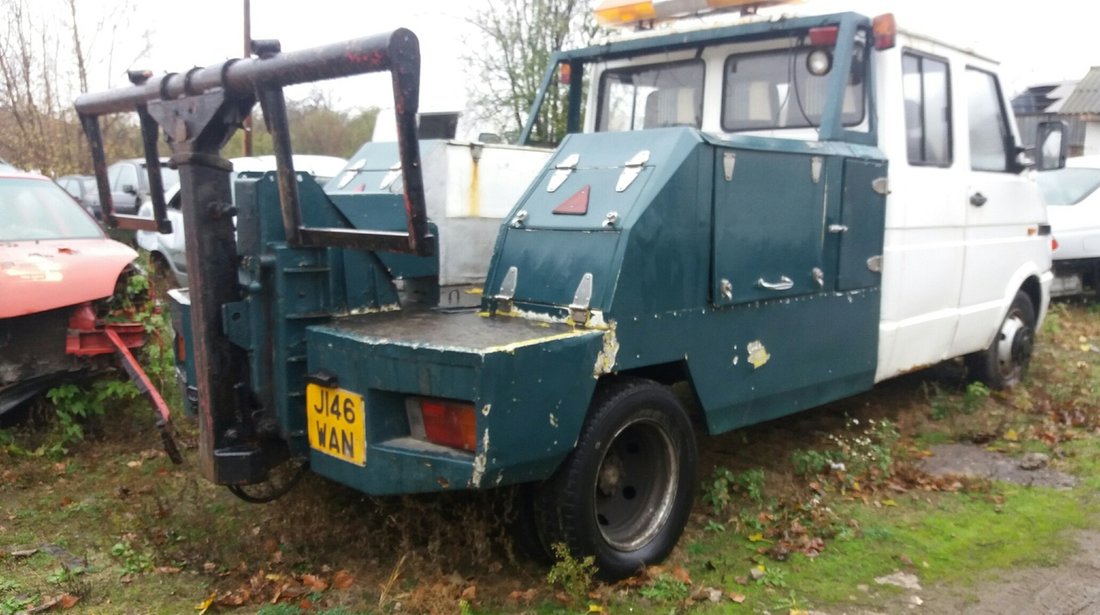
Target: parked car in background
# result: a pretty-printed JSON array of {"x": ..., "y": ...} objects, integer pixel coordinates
[
  {"x": 83, "y": 189},
  {"x": 60, "y": 279},
  {"x": 166, "y": 250},
  {"x": 1073, "y": 209},
  {"x": 129, "y": 183}
]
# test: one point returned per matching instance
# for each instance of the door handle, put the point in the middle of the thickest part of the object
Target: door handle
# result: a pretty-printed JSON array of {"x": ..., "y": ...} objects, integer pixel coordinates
[
  {"x": 978, "y": 199},
  {"x": 784, "y": 283}
]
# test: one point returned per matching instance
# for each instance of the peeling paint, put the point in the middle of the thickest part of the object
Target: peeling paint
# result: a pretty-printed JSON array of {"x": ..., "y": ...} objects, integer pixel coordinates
[
  {"x": 553, "y": 420},
  {"x": 758, "y": 355},
  {"x": 485, "y": 409},
  {"x": 391, "y": 307},
  {"x": 480, "y": 461},
  {"x": 605, "y": 361}
]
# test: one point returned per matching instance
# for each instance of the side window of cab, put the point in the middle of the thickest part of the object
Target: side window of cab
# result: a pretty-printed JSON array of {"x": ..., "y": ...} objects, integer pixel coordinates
[
  {"x": 927, "y": 93},
  {"x": 989, "y": 134}
]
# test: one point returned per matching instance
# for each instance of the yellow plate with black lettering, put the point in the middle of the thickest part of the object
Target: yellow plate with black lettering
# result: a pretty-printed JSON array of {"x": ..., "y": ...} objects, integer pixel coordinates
[{"x": 336, "y": 423}]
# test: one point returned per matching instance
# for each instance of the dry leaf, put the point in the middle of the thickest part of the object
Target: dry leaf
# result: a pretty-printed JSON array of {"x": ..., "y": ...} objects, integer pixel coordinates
[
  {"x": 738, "y": 598},
  {"x": 67, "y": 601},
  {"x": 681, "y": 574},
  {"x": 757, "y": 537},
  {"x": 166, "y": 570},
  {"x": 236, "y": 597},
  {"x": 204, "y": 606},
  {"x": 342, "y": 579},
  {"x": 314, "y": 582},
  {"x": 470, "y": 593},
  {"x": 1012, "y": 436}
]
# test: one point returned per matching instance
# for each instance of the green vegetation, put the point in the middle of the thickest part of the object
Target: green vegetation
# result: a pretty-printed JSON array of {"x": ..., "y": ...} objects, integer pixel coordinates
[{"x": 798, "y": 514}]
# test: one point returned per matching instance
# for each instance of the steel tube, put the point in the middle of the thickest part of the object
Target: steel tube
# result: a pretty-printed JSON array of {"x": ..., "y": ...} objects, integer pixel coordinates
[{"x": 243, "y": 77}]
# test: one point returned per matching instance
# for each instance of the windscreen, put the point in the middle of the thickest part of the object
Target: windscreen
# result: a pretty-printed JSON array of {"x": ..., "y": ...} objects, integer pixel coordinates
[
  {"x": 1068, "y": 186},
  {"x": 32, "y": 209}
]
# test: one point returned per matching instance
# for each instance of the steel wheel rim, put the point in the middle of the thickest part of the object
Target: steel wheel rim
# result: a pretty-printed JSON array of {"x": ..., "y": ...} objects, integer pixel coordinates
[
  {"x": 635, "y": 485},
  {"x": 1013, "y": 345}
]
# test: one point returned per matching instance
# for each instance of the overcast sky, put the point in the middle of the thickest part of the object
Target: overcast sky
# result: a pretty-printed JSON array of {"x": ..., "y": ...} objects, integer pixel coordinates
[{"x": 1047, "y": 41}]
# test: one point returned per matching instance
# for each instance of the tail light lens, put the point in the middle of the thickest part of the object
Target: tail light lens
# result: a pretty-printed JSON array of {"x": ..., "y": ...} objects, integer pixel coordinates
[
  {"x": 444, "y": 422},
  {"x": 1053, "y": 244}
]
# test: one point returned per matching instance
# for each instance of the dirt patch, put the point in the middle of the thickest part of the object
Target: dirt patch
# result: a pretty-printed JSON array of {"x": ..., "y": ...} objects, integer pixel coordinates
[
  {"x": 1070, "y": 588},
  {"x": 970, "y": 460}
]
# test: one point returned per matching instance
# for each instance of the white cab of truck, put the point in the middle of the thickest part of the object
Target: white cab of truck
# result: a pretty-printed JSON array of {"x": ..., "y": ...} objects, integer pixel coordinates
[{"x": 966, "y": 266}]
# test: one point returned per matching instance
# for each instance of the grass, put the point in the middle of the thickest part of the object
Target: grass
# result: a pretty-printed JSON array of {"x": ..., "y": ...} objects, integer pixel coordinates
[{"x": 158, "y": 536}]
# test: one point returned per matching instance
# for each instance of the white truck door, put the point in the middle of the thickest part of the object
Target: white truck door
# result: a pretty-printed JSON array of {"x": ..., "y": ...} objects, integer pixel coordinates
[
  {"x": 925, "y": 217},
  {"x": 1002, "y": 212}
]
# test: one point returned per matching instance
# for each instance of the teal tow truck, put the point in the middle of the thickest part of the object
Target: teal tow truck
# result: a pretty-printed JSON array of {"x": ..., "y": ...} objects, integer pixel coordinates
[{"x": 684, "y": 231}]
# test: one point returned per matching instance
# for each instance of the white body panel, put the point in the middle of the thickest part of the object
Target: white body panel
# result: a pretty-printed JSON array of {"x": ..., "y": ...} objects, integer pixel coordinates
[
  {"x": 469, "y": 188},
  {"x": 950, "y": 268}
]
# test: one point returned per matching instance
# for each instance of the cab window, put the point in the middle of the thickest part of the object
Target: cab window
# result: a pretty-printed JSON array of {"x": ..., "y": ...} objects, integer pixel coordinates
[
  {"x": 654, "y": 96},
  {"x": 775, "y": 89},
  {"x": 927, "y": 109},
  {"x": 988, "y": 128}
]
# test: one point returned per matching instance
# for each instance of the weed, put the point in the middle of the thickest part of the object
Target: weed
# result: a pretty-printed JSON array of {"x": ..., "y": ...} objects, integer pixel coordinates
[
  {"x": 862, "y": 451},
  {"x": 131, "y": 561},
  {"x": 572, "y": 575},
  {"x": 719, "y": 490},
  {"x": 714, "y": 526},
  {"x": 666, "y": 589},
  {"x": 10, "y": 605},
  {"x": 76, "y": 405}
]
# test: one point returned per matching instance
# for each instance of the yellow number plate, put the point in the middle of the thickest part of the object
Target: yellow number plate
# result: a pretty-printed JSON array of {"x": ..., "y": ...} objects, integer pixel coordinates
[{"x": 335, "y": 421}]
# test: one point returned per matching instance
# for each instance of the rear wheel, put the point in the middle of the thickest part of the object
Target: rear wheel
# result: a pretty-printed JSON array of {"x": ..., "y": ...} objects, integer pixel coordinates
[
  {"x": 1005, "y": 362},
  {"x": 624, "y": 494}
]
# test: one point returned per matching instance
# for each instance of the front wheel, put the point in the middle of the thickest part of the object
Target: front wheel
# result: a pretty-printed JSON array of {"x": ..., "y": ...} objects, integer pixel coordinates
[
  {"x": 1005, "y": 362},
  {"x": 625, "y": 492}
]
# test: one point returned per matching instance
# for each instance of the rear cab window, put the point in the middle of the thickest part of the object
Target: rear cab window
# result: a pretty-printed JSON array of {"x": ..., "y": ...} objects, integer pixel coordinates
[
  {"x": 775, "y": 89},
  {"x": 651, "y": 96}
]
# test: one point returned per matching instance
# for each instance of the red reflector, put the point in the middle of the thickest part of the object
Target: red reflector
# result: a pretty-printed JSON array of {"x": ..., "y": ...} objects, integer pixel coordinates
[
  {"x": 449, "y": 423},
  {"x": 576, "y": 205},
  {"x": 1053, "y": 244},
  {"x": 886, "y": 31},
  {"x": 824, "y": 36}
]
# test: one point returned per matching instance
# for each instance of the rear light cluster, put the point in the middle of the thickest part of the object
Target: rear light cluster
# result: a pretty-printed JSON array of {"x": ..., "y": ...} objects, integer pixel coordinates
[{"x": 443, "y": 422}]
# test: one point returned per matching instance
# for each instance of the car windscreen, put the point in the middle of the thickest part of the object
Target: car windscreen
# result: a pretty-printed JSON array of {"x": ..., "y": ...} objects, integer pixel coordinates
[
  {"x": 1068, "y": 186},
  {"x": 35, "y": 209}
]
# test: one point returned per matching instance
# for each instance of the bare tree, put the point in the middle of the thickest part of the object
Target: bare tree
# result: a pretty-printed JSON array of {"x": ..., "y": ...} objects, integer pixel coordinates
[
  {"x": 520, "y": 37},
  {"x": 38, "y": 126}
]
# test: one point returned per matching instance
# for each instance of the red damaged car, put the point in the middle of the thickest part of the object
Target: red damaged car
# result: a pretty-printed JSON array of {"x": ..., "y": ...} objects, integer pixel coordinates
[{"x": 60, "y": 279}]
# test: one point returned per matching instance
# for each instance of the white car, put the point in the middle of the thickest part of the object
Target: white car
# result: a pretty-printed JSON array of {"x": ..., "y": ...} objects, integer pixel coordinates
[
  {"x": 1073, "y": 209},
  {"x": 167, "y": 249}
]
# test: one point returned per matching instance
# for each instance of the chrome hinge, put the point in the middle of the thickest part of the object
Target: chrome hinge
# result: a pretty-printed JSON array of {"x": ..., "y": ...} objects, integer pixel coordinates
[
  {"x": 729, "y": 159},
  {"x": 562, "y": 171},
  {"x": 632, "y": 169},
  {"x": 582, "y": 298},
  {"x": 507, "y": 290}
]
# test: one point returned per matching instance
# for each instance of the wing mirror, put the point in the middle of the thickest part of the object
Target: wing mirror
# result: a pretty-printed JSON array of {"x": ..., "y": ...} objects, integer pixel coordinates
[{"x": 1050, "y": 146}]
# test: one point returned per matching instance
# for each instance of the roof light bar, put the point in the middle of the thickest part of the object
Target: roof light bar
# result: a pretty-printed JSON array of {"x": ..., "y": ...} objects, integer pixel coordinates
[{"x": 627, "y": 12}]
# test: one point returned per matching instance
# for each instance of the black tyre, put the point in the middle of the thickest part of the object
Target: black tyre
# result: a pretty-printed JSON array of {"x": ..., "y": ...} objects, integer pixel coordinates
[
  {"x": 625, "y": 492},
  {"x": 1005, "y": 362},
  {"x": 523, "y": 525}
]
